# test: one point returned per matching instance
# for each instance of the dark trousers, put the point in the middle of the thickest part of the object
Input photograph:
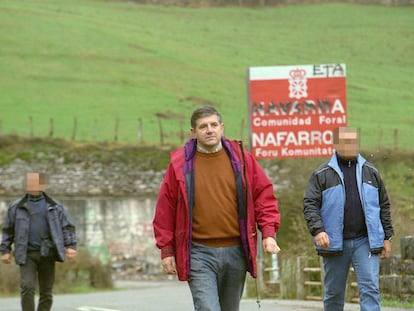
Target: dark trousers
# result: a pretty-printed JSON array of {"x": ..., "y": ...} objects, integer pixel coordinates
[{"x": 43, "y": 270}]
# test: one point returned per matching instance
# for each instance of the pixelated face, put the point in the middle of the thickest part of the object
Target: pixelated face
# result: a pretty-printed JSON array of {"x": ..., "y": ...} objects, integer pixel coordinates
[
  {"x": 35, "y": 183},
  {"x": 347, "y": 143},
  {"x": 208, "y": 132}
]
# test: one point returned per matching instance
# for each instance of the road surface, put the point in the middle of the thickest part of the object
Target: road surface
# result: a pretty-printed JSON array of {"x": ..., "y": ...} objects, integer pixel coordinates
[{"x": 159, "y": 296}]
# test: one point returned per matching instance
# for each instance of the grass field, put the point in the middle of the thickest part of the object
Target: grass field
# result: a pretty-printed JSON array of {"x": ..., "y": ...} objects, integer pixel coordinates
[{"x": 102, "y": 60}]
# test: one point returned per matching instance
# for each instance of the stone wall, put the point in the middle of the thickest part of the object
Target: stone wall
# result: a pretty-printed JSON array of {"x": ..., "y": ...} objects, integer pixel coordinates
[
  {"x": 83, "y": 178},
  {"x": 397, "y": 272}
]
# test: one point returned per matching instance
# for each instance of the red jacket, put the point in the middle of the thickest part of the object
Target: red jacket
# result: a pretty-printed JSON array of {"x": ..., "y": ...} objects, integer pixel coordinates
[{"x": 173, "y": 214}]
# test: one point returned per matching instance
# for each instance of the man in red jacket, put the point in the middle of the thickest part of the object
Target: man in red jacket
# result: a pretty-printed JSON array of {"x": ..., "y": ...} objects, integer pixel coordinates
[{"x": 213, "y": 197}]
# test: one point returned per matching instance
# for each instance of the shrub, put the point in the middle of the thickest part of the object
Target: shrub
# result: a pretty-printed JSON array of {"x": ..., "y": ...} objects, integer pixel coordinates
[{"x": 85, "y": 271}]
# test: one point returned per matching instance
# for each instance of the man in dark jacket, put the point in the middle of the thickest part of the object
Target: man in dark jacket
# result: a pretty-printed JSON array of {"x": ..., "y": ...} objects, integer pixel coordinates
[
  {"x": 347, "y": 211},
  {"x": 42, "y": 232}
]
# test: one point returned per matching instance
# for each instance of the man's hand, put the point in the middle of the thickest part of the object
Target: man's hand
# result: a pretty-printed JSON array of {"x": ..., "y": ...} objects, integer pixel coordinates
[
  {"x": 386, "y": 251},
  {"x": 322, "y": 239},
  {"x": 5, "y": 258},
  {"x": 70, "y": 253},
  {"x": 270, "y": 245},
  {"x": 168, "y": 263}
]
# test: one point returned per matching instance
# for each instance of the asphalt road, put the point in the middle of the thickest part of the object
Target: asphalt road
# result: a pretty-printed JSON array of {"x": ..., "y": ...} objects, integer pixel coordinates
[{"x": 159, "y": 296}]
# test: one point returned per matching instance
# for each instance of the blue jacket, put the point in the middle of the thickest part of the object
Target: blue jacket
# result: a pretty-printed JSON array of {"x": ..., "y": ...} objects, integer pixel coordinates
[
  {"x": 324, "y": 204},
  {"x": 16, "y": 229}
]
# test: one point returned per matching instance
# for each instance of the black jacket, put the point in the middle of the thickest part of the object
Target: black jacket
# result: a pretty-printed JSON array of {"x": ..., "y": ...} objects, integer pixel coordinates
[{"x": 16, "y": 228}]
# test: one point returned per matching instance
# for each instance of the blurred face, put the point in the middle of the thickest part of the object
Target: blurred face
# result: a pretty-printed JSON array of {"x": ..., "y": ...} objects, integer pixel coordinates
[
  {"x": 208, "y": 132},
  {"x": 347, "y": 144},
  {"x": 35, "y": 183}
]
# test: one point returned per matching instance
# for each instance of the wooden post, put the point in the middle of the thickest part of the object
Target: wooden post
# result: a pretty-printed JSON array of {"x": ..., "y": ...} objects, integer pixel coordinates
[
  {"x": 395, "y": 139},
  {"x": 139, "y": 131},
  {"x": 380, "y": 135},
  {"x": 322, "y": 275},
  {"x": 161, "y": 131},
  {"x": 31, "y": 132},
  {"x": 1, "y": 127},
  {"x": 75, "y": 128},
  {"x": 260, "y": 267},
  {"x": 407, "y": 247},
  {"x": 116, "y": 129},
  {"x": 181, "y": 132},
  {"x": 351, "y": 293},
  {"x": 242, "y": 129},
  {"x": 301, "y": 263},
  {"x": 51, "y": 127},
  {"x": 94, "y": 129}
]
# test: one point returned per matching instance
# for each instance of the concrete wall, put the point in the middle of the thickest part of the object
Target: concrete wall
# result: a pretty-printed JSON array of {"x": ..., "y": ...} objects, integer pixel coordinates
[{"x": 112, "y": 228}]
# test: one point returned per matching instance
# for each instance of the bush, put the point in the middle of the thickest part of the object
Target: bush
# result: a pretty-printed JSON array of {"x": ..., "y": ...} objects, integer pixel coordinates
[
  {"x": 85, "y": 271},
  {"x": 9, "y": 280}
]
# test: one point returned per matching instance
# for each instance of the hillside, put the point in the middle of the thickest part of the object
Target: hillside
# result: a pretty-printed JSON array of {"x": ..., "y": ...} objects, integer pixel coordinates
[{"x": 82, "y": 69}]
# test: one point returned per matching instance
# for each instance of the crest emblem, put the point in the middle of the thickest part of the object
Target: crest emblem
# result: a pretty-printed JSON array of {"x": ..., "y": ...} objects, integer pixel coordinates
[{"x": 298, "y": 87}]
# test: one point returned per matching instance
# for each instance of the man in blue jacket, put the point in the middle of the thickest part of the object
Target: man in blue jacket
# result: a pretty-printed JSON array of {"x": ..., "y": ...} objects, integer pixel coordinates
[
  {"x": 347, "y": 211},
  {"x": 42, "y": 232}
]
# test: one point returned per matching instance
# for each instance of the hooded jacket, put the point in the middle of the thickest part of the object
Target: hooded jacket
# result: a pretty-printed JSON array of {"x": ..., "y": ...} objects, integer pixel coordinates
[
  {"x": 257, "y": 205},
  {"x": 324, "y": 204},
  {"x": 16, "y": 229}
]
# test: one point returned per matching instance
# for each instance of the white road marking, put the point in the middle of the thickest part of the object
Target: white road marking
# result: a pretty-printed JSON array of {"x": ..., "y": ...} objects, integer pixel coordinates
[{"x": 86, "y": 308}]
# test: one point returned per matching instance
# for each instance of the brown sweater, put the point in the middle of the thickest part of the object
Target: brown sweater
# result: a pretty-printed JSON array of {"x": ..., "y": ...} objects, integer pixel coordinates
[{"x": 215, "y": 219}]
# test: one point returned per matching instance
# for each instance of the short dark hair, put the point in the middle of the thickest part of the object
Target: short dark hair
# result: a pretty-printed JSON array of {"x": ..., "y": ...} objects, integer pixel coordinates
[
  {"x": 335, "y": 132},
  {"x": 203, "y": 112}
]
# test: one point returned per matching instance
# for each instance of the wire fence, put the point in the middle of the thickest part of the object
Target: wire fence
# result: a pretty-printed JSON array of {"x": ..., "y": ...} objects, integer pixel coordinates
[{"x": 164, "y": 131}]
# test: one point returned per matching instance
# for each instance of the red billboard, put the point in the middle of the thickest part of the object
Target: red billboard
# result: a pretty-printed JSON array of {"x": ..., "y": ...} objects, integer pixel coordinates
[{"x": 293, "y": 109}]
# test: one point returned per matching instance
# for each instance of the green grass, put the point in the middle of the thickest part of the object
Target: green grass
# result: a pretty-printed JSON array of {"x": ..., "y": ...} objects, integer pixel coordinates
[
  {"x": 102, "y": 60},
  {"x": 397, "y": 304}
]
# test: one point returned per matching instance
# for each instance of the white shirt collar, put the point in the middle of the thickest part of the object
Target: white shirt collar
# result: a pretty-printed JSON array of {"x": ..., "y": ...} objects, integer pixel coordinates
[{"x": 203, "y": 150}]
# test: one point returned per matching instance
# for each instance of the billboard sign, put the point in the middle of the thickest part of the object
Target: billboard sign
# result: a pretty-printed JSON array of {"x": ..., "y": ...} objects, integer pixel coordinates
[{"x": 293, "y": 109}]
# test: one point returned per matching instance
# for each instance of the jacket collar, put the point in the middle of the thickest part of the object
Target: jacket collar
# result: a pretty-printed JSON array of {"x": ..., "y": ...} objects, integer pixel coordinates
[
  {"x": 333, "y": 162},
  {"x": 22, "y": 202},
  {"x": 190, "y": 147}
]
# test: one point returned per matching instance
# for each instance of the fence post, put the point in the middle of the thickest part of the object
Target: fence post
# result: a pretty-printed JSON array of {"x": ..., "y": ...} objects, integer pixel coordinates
[
  {"x": 51, "y": 127},
  {"x": 161, "y": 131},
  {"x": 241, "y": 129},
  {"x": 94, "y": 129},
  {"x": 31, "y": 132},
  {"x": 380, "y": 134},
  {"x": 181, "y": 132},
  {"x": 395, "y": 139},
  {"x": 139, "y": 131},
  {"x": 301, "y": 263},
  {"x": 116, "y": 129},
  {"x": 75, "y": 128}
]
